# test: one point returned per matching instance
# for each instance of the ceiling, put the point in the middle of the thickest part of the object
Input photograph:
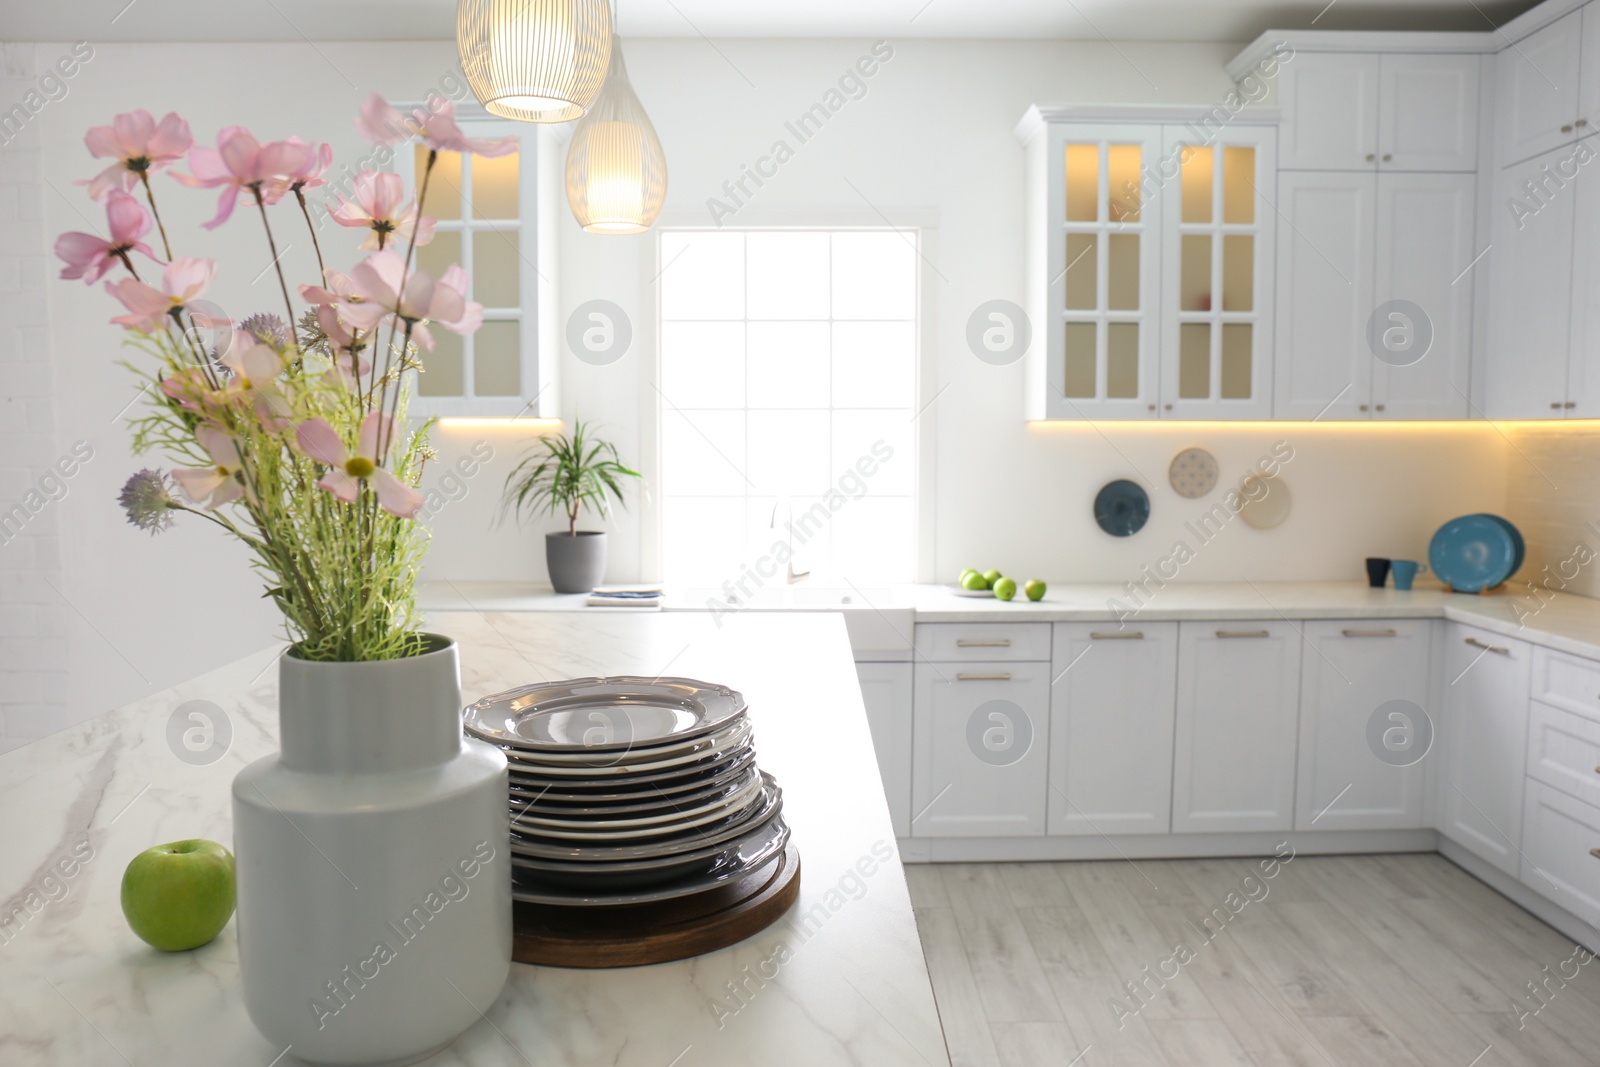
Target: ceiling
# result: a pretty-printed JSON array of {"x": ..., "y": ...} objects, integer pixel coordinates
[{"x": 1159, "y": 20}]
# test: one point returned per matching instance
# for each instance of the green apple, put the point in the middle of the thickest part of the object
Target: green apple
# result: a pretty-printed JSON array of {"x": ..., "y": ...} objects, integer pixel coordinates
[
  {"x": 179, "y": 895},
  {"x": 991, "y": 577},
  {"x": 1005, "y": 588},
  {"x": 962, "y": 581},
  {"x": 1034, "y": 590},
  {"x": 974, "y": 581}
]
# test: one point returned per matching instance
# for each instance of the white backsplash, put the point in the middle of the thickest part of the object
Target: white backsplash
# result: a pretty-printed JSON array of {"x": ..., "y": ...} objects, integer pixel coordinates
[{"x": 1553, "y": 496}]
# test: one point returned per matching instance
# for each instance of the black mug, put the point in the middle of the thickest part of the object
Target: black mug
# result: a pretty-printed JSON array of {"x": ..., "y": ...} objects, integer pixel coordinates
[{"x": 1377, "y": 572}]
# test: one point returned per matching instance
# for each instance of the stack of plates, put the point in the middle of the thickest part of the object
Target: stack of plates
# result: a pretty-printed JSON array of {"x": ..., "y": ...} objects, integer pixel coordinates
[
  {"x": 1476, "y": 552},
  {"x": 630, "y": 790}
]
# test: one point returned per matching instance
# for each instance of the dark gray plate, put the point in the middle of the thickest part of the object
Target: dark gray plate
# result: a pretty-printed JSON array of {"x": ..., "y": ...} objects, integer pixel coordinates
[
  {"x": 697, "y": 771},
  {"x": 655, "y": 847},
  {"x": 602, "y": 714}
]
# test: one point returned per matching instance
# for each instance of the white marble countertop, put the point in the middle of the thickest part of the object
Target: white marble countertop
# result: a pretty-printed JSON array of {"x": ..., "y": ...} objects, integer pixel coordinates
[
  {"x": 880, "y": 619},
  {"x": 848, "y": 985}
]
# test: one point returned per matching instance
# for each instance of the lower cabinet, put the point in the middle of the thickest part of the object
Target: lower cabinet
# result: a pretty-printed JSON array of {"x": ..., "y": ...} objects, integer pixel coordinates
[
  {"x": 1365, "y": 726},
  {"x": 886, "y": 691},
  {"x": 1238, "y": 703},
  {"x": 1561, "y": 850},
  {"x": 1111, "y": 721},
  {"x": 1483, "y": 732},
  {"x": 980, "y": 738}
]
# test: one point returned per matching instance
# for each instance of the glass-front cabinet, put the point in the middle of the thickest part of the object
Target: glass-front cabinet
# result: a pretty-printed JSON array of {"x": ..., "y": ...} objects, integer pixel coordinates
[{"x": 1150, "y": 269}]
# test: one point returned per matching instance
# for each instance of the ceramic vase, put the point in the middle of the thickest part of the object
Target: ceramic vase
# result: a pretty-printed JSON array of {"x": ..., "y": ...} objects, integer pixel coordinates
[{"x": 577, "y": 562}]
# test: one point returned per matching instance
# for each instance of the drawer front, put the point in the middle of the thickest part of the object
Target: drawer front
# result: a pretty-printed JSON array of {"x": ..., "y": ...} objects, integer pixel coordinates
[
  {"x": 1564, "y": 753},
  {"x": 1561, "y": 850},
  {"x": 951, "y": 642},
  {"x": 1567, "y": 682}
]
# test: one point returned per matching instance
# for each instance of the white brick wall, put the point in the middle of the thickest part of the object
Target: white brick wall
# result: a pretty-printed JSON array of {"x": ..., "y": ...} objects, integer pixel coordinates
[{"x": 33, "y": 619}]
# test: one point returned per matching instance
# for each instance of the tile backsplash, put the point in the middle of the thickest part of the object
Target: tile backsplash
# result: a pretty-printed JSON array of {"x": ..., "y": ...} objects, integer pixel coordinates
[{"x": 1553, "y": 496}]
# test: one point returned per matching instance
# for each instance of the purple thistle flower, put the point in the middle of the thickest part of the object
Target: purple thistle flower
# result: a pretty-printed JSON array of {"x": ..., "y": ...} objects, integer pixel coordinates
[{"x": 147, "y": 498}]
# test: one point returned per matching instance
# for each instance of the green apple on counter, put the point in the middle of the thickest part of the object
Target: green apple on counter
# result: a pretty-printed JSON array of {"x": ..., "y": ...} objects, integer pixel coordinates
[
  {"x": 991, "y": 577},
  {"x": 1005, "y": 588},
  {"x": 974, "y": 581},
  {"x": 962, "y": 581},
  {"x": 1034, "y": 590},
  {"x": 179, "y": 895}
]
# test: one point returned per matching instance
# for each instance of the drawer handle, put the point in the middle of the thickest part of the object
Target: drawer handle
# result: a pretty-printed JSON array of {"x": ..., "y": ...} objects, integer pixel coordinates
[
  {"x": 1371, "y": 633},
  {"x": 1137, "y": 635},
  {"x": 1567, "y": 128},
  {"x": 1595, "y": 852},
  {"x": 1244, "y": 633},
  {"x": 963, "y": 642},
  {"x": 983, "y": 677},
  {"x": 1500, "y": 650}
]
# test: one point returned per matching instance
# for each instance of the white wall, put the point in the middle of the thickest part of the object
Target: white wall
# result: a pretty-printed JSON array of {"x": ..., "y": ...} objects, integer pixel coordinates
[{"x": 931, "y": 136}]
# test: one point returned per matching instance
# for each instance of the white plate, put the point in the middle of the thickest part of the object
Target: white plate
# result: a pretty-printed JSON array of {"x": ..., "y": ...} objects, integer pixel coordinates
[
  {"x": 1266, "y": 501},
  {"x": 956, "y": 590}
]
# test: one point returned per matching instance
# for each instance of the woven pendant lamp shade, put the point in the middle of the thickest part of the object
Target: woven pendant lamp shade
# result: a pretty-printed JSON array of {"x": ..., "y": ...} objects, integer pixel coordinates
[
  {"x": 534, "y": 60},
  {"x": 616, "y": 171}
]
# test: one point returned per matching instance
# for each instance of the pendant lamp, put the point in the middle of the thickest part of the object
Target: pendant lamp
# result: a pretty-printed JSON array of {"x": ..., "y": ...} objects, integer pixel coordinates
[
  {"x": 534, "y": 60},
  {"x": 616, "y": 172}
]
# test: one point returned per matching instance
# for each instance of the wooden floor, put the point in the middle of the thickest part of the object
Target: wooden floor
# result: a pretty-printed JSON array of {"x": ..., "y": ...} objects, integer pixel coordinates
[{"x": 1353, "y": 961}]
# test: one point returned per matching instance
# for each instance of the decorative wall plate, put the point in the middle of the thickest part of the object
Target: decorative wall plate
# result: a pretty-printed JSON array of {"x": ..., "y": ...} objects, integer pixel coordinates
[
  {"x": 1264, "y": 510},
  {"x": 1122, "y": 508},
  {"x": 1193, "y": 473}
]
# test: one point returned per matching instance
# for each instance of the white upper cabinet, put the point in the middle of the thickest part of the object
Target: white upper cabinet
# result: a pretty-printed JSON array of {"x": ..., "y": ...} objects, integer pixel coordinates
[
  {"x": 1397, "y": 111},
  {"x": 1537, "y": 88},
  {"x": 1428, "y": 112},
  {"x": 1581, "y": 399},
  {"x": 1330, "y": 111}
]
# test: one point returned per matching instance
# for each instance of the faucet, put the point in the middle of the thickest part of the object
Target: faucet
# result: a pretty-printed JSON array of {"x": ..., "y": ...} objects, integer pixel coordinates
[{"x": 791, "y": 578}]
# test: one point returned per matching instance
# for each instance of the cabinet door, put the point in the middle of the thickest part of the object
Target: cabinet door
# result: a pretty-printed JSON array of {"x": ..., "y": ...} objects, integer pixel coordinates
[
  {"x": 1111, "y": 721},
  {"x": 1425, "y": 244},
  {"x": 1238, "y": 704},
  {"x": 886, "y": 691},
  {"x": 1364, "y": 725},
  {"x": 1217, "y": 275},
  {"x": 1536, "y": 90},
  {"x": 1103, "y": 259},
  {"x": 1561, "y": 852},
  {"x": 1589, "y": 73},
  {"x": 1530, "y": 302},
  {"x": 1483, "y": 733},
  {"x": 1428, "y": 112},
  {"x": 1582, "y": 395},
  {"x": 1330, "y": 112},
  {"x": 1325, "y": 260},
  {"x": 981, "y": 738}
]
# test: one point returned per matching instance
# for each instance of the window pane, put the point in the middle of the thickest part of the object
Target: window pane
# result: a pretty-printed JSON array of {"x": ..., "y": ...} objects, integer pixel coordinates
[
  {"x": 1194, "y": 361},
  {"x": 874, "y": 364},
  {"x": 494, "y": 187},
  {"x": 1195, "y": 278},
  {"x": 1083, "y": 265},
  {"x": 802, "y": 525},
  {"x": 702, "y": 275},
  {"x": 1195, "y": 176},
  {"x": 496, "y": 358},
  {"x": 1122, "y": 360},
  {"x": 876, "y": 447},
  {"x": 1122, "y": 199},
  {"x": 1122, "y": 272},
  {"x": 874, "y": 275},
  {"x": 789, "y": 453},
  {"x": 1083, "y": 182},
  {"x": 496, "y": 269},
  {"x": 1238, "y": 272},
  {"x": 1238, "y": 185},
  {"x": 1236, "y": 361},
  {"x": 444, "y": 185},
  {"x": 872, "y": 537},
  {"x": 1080, "y": 345},
  {"x": 702, "y": 539},
  {"x": 442, "y": 369},
  {"x": 787, "y": 365},
  {"x": 438, "y": 254},
  {"x": 706, "y": 449},
  {"x": 787, "y": 275},
  {"x": 702, "y": 363}
]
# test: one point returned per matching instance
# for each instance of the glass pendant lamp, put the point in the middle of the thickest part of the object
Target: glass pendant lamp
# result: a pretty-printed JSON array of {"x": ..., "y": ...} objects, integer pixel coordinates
[
  {"x": 616, "y": 171},
  {"x": 534, "y": 60}
]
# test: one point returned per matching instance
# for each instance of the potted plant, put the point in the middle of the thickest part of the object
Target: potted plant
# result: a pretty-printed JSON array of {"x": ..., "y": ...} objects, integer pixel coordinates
[
  {"x": 290, "y": 434},
  {"x": 563, "y": 476}
]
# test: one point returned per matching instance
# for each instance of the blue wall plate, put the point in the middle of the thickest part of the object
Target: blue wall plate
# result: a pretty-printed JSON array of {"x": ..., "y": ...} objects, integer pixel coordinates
[
  {"x": 1473, "y": 553},
  {"x": 1121, "y": 508}
]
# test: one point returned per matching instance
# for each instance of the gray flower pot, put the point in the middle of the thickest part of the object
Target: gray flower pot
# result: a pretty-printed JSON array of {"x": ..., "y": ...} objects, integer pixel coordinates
[{"x": 576, "y": 563}]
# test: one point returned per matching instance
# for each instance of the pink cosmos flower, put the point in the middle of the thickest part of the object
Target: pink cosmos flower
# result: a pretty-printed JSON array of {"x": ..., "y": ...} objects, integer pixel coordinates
[
  {"x": 89, "y": 257},
  {"x": 381, "y": 123},
  {"x": 240, "y": 163},
  {"x": 181, "y": 283},
  {"x": 139, "y": 145},
  {"x": 376, "y": 285},
  {"x": 256, "y": 371},
  {"x": 321, "y": 442},
  {"x": 377, "y": 207},
  {"x": 310, "y": 175},
  {"x": 217, "y": 484}
]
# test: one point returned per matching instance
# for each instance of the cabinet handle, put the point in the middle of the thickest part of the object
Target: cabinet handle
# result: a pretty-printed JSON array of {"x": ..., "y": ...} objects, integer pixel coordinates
[
  {"x": 1555, "y": 405},
  {"x": 1595, "y": 852},
  {"x": 1363, "y": 407},
  {"x": 1567, "y": 128},
  {"x": 1137, "y": 635},
  {"x": 1152, "y": 407},
  {"x": 1244, "y": 633},
  {"x": 1004, "y": 642},
  {"x": 1581, "y": 123},
  {"x": 1570, "y": 404},
  {"x": 1387, "y": 157},
  {"x": 1597, "y": 770},
  {"x": 1371, "y": 633},
  {"x": 1371, "y": 156},
  {"x": 1381, "y": 407},
  {"x": 1169, "y": 407},
  {"x": 1498, "y": 649},
  {"x": 1006, "y": 677}
]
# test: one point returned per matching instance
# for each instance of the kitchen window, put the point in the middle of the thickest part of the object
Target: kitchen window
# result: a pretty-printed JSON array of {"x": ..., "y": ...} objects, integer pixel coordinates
[{"x": 788, "y": 406}]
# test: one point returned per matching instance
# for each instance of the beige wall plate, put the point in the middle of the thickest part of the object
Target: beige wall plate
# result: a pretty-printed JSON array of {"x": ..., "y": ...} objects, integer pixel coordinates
[
  {"x": 1266, "y": 501},
  {"x": 1193, "y": 473}
]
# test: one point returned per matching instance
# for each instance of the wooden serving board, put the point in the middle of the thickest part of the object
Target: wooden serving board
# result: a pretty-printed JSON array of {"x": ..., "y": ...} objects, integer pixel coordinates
[{"x": 637, "y": 934}]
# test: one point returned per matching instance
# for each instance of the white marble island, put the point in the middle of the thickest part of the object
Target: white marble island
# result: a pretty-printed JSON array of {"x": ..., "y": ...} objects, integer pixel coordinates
[{"x": 840, "y": 980}]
